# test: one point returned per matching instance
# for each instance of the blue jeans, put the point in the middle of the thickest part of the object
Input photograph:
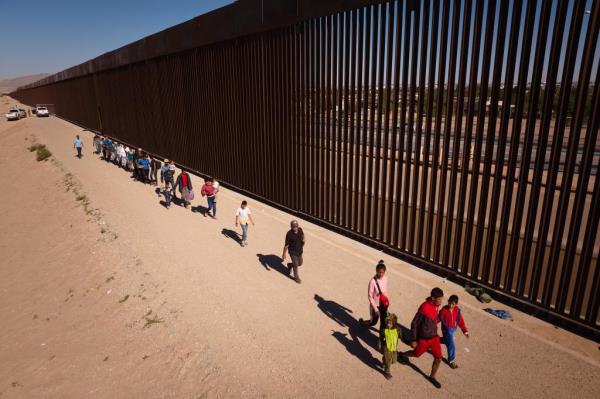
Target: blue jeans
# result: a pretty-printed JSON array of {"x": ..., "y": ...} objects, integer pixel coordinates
[
  {"x": 448, "y": 340},
  {"x": 212, "y": 205},
  {"x": 167, "y": 194},
  {"x": 244, "y": 232}
]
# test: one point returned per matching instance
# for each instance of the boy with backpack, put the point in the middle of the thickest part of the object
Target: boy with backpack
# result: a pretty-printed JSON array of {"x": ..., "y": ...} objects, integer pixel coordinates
[{"x": 452, "y": 319}]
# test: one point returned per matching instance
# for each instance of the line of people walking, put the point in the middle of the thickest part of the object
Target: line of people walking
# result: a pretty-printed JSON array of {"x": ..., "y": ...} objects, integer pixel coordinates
[
  {"x": 150, "y": 170},
  {"x": 423, "y": 332}
]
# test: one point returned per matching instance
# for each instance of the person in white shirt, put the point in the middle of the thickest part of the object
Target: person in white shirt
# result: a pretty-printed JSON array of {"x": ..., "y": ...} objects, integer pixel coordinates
[
  {"x": 242, "y": 217},
  {"x": 121, "y": 156}
]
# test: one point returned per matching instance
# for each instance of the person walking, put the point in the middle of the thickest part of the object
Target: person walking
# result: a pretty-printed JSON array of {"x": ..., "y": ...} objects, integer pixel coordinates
[
  {"x": 165, "y": 175},
  {"x": 78, "y": 145},
  {"x": 155, "y": 166},
  {"x": 391, "y": 338},
  {"x": 123, "y": 156},
  {"x": 108, "y": 145},
  {"x": 137, "y": 168},
  {"x": 451, "y": 318},
  {"x": 243, "y": 215},
  {"x": 294, "y": 245},
  {"x": 167, "y": 178},
  {"x": 208, "y": 191},
  {"x": 172, "y": 173},
  {"x": 97, "y": 144},
  {"x": 129, "y": 155},
  {"x": 424, "y": 333},
  {"x": 143, "y": 168},
  {"x": 184, "y": 185},
  {"x": 378, "y": 300},
  {"x": 113, "y": 153},
  {"x": 120, "y": 154}
]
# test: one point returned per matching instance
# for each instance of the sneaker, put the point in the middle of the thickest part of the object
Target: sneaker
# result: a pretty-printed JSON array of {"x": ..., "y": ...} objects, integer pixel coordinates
[
  {"x": 387, "y": 376},
  {"x": 453, "y": 365},
  {"x": 435, "y": 382},
  {"x": 289, "y": 267},
  {"x": 297, "y": 279},
  {"x": 246, "y": 243},
  {"x": 242, "y": 243}
]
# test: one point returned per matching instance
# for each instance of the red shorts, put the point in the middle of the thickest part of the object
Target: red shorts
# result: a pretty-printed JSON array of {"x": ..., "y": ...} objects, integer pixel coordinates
[{"x": 432, "y": 343}]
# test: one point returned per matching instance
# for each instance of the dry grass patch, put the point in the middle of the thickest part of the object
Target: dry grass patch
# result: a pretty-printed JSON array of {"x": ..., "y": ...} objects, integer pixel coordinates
[{"x": 42, "y": 153}]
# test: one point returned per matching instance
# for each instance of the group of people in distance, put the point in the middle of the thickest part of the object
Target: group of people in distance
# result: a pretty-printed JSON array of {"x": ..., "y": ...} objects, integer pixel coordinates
[
  {"x": 149, "y": 170},
  {"x": 424, "y": 327}
]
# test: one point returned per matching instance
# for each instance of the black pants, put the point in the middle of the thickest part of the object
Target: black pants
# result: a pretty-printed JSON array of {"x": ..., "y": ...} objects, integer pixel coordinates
[{"x": 381, "y": 319}]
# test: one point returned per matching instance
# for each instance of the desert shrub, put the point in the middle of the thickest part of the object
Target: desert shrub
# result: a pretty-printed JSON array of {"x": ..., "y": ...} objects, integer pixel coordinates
[
  {"x": 43, "y": 153},
  {"x": 34, "y": 147}
]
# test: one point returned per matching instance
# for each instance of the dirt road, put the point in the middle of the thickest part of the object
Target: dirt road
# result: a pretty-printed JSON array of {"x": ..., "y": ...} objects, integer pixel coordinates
[{"x": 105, "y": 293}]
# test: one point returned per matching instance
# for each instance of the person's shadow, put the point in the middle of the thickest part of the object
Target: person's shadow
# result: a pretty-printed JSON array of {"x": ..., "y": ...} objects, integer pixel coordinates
[
  {"x": 273, "y": 262},
  {"x": 336, "y": 312},
  {"x": 342, "y": 316},
  {"x": 232, "y": 234},
  {"x": 200, "y": 209}
]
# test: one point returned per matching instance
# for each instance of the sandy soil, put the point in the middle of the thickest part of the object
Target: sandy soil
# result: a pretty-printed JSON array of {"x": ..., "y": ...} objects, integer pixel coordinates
[{"x": 81, "y": 279}]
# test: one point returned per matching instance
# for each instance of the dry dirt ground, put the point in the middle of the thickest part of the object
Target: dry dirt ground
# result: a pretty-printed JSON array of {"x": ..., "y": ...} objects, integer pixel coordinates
[{"x": 104, "y": 293}]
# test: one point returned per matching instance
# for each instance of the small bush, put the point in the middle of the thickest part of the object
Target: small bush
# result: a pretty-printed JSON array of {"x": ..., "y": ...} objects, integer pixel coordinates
[
  {"x": 34, "y": 147},
  {"x": 43, "y": 153}
]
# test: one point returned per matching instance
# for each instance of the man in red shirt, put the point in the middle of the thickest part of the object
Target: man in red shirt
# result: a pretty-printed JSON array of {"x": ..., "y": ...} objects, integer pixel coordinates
[
  {"x": 184, "y": 184},
  {"x": 424, "y": 333}
]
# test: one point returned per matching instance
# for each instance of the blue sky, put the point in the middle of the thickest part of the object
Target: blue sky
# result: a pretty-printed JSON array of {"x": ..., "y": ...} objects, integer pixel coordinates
[{"x": 51, "y": 35}]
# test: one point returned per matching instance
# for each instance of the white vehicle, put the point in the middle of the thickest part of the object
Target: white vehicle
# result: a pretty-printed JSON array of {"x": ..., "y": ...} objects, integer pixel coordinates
[
  {"x": 42, "y": 111},
  {"x": 13, "y": 115}
]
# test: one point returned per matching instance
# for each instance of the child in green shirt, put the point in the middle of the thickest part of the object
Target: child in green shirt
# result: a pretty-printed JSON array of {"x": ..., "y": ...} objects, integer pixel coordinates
[{"x": 390, "y": 343}]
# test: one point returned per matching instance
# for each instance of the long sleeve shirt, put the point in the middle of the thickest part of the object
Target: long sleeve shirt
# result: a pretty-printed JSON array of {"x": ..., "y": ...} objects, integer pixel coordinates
[
  {"x": 450, "y": 318},
  {"x": 374, "y": 292},
  {"x": 424, "y": 324}
]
